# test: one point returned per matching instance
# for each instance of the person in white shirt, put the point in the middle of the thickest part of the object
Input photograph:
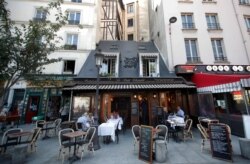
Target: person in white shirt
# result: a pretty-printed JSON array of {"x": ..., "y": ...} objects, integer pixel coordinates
[
  {"x": 64, "y": 111},
  {"x": 85, "y": 120}
]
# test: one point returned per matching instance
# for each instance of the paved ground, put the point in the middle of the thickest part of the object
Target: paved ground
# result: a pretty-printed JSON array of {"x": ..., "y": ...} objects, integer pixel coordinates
[{"x": 188, "y": 152}]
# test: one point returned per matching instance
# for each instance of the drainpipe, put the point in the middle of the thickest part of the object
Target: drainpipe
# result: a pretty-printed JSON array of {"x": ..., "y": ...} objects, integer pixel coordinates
[{"x": 241, "y": 32}]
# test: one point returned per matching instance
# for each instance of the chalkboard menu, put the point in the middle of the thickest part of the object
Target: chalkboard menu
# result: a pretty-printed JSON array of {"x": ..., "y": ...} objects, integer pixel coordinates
[
  {"x": 220, "y": 141},
  {"x": 146, "y": 146}
]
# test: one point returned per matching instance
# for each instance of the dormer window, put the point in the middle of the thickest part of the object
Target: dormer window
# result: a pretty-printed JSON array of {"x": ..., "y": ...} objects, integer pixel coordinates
[
  {"x": 109, "y": 66},
  {"x": 149, "y": 64}
]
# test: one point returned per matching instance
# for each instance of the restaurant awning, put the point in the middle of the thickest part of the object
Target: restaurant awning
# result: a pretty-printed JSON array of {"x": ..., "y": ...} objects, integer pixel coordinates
[
  {"x": 128, "y": 86},
  {"x": 218, "y": 83}
]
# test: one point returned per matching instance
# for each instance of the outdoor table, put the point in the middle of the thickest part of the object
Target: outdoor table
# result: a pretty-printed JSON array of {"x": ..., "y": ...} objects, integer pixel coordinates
[
  {"x": 19, "y": 135},
  {"x": 176, "y": 127},
  {"x": 75, "y": 134},
  {"x": 107, "y": 129}
]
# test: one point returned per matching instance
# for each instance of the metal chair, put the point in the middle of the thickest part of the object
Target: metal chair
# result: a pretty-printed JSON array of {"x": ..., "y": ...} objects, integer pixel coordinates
[
  {"x": 32, "y": 141},
  {"x": 10, "y": 141},
  {"x": 87, "y": 142},
  {"x": 187, "y": 132},
  {"x": 64, "y": 142},
  {"x": 204, "y": 137},
  {"x": 136, "y": 131}
]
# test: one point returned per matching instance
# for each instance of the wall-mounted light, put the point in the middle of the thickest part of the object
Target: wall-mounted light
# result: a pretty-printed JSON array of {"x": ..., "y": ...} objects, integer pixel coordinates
[
  {"x": 154, "y": 95},
  {"x": 135, "y": 96}
]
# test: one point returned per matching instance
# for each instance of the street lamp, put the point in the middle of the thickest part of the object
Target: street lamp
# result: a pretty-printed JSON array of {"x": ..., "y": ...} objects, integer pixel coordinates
[
  {"x": 98, "y": 59},
  {"x": 171, "y": 20}
]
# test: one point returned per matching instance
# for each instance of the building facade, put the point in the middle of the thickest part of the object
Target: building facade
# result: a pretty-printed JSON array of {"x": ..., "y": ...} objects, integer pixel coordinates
[
  {"x": 136, "y": 20},
  {"x": 78, "y": 39},
  {"x": 195, "y": 36}
]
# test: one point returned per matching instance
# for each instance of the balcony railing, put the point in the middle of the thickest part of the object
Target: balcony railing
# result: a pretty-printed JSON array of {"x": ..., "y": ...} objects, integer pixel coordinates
[
  {"x": 244, "y": 2},
  {"x": 194, "y": 59},
  {"x": 39, "y": 19},
  {"x": 74, "y": 22},
  {"x": 188, "y": 25},
  {"x": 70, "y": 47},
  {"x": 220, "y": 58},
  {"x": 213, "y": 26}
]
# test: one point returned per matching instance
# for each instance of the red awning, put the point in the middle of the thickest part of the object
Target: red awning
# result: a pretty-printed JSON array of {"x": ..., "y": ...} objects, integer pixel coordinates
[{"x": 205, "y": 80}]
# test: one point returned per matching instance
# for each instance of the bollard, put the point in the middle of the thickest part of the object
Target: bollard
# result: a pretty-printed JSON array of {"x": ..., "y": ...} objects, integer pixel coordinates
[{"x": 160, "y": 151}]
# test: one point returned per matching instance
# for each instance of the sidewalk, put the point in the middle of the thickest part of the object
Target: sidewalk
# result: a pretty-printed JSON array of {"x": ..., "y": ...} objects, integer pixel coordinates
[{"x": 188, "y": 152}]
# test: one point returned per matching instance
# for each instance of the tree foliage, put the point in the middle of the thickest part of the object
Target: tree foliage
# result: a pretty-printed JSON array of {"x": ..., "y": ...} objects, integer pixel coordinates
[{"x": 25, "y": 48}]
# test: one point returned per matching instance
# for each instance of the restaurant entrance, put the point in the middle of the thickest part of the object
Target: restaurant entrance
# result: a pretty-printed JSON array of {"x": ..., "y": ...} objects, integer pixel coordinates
[{"x": 122, "y": 105}]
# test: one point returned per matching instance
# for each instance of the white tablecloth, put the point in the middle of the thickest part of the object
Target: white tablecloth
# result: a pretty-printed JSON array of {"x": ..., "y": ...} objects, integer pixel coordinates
[
  {"x": 107, "y": 129},
  {"x": 116, "y": 121},
  {"x": 176, "y": 121}
]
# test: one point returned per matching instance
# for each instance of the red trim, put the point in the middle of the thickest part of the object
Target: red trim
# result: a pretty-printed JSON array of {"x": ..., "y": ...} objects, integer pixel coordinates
[{"x": 205, "y": 79}]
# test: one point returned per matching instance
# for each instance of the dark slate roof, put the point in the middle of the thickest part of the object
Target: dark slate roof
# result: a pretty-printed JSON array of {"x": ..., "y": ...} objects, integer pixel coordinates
[{"x": 128, "y": 51}]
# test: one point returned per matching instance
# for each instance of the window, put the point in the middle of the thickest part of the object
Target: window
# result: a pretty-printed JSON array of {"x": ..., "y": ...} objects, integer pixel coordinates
[
  {"x": 40, "y": 14},
  {"x": 244, "y": 2},
  {"x": 130, "y": 8},
  {"x": 217, "y": 45},
  {"x": 130, "y": 36},
  {"x": 109, "y": 66},
  {"x": 71, "y": 43},
  {"x": 74, "y": 17},
  {"x": 247, "y": 20},
  {"x": 212, "y": 22},
  {"x": 69, "y": 67},
  {"x": 187, "y": 21},
  {"x": 130, "y": 22},
  {"x": 149, "y": 64},
  {"x": 149, "y": 67},
  {"x": 191, "y": 50},
  {"x": 78, "y": 1}
]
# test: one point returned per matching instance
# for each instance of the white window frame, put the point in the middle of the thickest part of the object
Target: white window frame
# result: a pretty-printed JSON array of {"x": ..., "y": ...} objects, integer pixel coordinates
[
  {"x": 103, "y": 69},
  {"x": 185, "y": 22},
  {"x": 149, "y": 56},
  {"x": 218, "y": 49},
  {"x": 247, "y": 20},
  {"x": 40, "y": 13},
  {"x": 130, "y": 8},
  {"x": 75, "y": 18},
  {"x": 72, "y": 39},
  {"x": 212, "y": 21},
  {"x": 194, "y": 55}
]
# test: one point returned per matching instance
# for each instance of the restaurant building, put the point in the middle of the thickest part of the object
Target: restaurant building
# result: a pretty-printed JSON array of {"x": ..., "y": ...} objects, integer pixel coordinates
[
  {"x": 132, "y": 73},
  {"x": 223, "y": 92}
]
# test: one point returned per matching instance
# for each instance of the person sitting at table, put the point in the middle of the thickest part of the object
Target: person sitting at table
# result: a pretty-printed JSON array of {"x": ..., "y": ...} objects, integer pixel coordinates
[
  {"x": 84, "y": 119},
  {"x": 179, "y": 112},
  {"x": 114, "y": 115}
]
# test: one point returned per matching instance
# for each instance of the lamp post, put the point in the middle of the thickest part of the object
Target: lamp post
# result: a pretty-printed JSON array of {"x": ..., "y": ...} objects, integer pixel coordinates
[
  {"x": 98, "y": 60},
  {"x": 171, "y": 20}
]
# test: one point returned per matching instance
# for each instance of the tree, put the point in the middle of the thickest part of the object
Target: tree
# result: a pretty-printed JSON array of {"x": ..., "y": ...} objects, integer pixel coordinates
[{"x": 25, "y": 48}]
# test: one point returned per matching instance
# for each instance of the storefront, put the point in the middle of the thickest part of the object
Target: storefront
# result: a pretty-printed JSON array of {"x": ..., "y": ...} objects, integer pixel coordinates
[
  {"x": 223, "y": 93},
  {"x": 130, "y": 96}
]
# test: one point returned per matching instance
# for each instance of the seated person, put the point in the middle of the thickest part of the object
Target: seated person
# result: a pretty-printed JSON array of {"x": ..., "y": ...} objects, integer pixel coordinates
[
  {"x": 84, "y": 119},
  {"x": 180, "y": 112}
]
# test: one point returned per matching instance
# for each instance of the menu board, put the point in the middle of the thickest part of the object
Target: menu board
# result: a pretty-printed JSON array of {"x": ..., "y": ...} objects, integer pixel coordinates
[
  {"x": 146, "y": 146},
  {"x": 220, "y": 141}
]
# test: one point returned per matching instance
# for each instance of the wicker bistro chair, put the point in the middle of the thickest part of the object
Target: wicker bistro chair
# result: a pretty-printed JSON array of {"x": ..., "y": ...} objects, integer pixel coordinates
[
  {"x": 87, "y": 142},
  {"x": 31, "y": 141},
  {"x": 205, "y": 139},
  {"x": 40, "y": 124},
  {"x": 10, "y": 141},
  {"x": 56, "y": 125},
  {"x": 187, "y": 132},
  {"x": 136, "y": 131},
  {"x": 64, "y": 142}
]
